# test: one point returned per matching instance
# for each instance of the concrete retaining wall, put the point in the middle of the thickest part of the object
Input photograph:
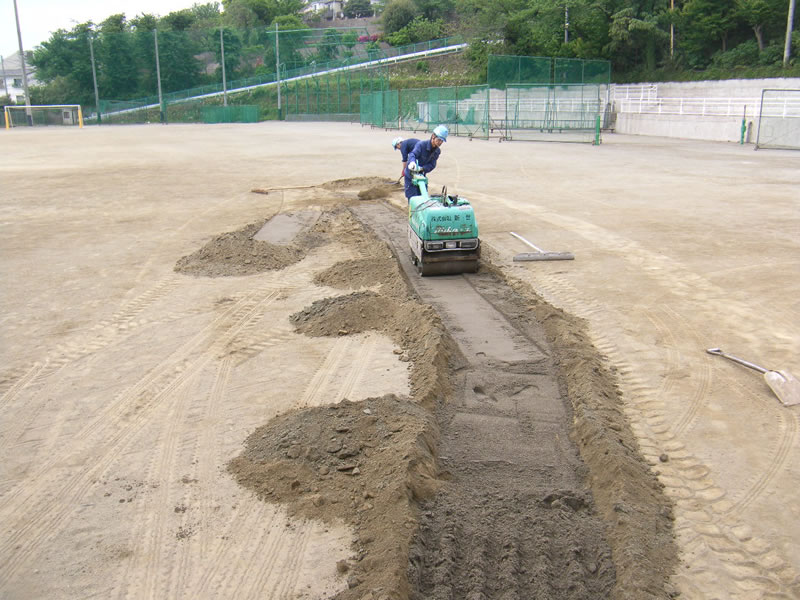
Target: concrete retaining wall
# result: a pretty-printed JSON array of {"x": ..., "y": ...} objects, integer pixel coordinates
[{"x": 702, "y": 127}]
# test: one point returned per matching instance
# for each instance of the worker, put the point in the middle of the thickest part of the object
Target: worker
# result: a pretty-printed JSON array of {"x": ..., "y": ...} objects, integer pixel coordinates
[
  {"x": 423, "y": 158},
  {"x": 405, "y": 146}
]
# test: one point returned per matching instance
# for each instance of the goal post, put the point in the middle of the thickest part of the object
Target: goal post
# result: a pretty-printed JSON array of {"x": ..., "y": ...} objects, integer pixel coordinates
[
  {"x": 43, "y": 115},
  {"x": 779, "y": 119}
]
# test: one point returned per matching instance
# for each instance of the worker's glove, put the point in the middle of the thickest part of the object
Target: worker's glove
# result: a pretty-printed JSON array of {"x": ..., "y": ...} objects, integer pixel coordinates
[{"x": 412, "y": 166}]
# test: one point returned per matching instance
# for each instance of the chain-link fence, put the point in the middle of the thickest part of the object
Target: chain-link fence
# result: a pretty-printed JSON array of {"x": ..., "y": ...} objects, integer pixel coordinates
[
  {"x": 504, "y": 70},
  {"x": 316, "y": 66},
  {"x": 464, "y": 109},
  {"x": 564, "y": 113}
]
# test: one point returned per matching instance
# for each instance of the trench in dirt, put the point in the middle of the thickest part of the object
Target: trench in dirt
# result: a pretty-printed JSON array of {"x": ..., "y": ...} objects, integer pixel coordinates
[
  {"x": 510, "y": 471},
  {"x": 515, "y": 519}
]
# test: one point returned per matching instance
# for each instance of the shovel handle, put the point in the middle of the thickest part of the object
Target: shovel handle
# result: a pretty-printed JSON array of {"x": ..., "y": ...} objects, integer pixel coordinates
[{"x": 719, "y": 352}]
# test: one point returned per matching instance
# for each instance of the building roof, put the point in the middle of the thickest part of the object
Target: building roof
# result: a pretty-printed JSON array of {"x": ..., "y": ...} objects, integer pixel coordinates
[{"x": 13, "y": 65}]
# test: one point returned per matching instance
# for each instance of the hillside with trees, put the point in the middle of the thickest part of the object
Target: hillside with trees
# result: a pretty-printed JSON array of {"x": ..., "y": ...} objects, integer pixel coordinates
[{"x": 652, "y": 40}]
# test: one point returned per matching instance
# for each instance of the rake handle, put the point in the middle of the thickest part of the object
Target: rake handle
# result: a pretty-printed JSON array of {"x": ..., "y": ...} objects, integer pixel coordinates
[{"x": 519, "y": 237}]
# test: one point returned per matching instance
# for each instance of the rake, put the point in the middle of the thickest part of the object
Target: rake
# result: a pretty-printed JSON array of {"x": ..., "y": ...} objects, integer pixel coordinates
[{"x": 540, "y": 254}]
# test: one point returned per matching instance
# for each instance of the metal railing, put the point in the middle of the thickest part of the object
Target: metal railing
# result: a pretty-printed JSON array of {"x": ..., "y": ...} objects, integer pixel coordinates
[{"x": 707, "y": 107}]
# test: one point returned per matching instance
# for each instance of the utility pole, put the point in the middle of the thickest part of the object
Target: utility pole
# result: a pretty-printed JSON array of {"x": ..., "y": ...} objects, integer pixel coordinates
[
  {"x": 161, "y": 110},
  {"x": 5, "y": 84},
  {"x": 671, "y": 29},
  {"x": 278, "y": 71},
  {"x": 94, "y": 79},
  {"x": 24, "y": 68},
  {"x": 224, "y": 83},
  {"x": 787, "y": 49}
]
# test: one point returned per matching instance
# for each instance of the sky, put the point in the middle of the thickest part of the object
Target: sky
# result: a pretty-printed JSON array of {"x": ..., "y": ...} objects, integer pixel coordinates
[{"x": 39, "y": 18}]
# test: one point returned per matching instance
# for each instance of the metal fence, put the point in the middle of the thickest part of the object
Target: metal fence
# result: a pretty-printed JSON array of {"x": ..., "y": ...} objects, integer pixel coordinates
[
  {"x": 506, "y": 70},
  {"x": 464, "y": 109},
  {"x": 519, "y": 112},
  {"x": 298, "y": 67},
  {"x": 537, "y": 112},
  {"x": 779, "y": 119}
]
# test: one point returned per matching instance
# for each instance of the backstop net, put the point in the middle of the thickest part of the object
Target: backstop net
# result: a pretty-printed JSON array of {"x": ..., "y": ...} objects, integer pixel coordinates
[
  {"x": 564, "y": 113},
  {"x": 59, "y": 115},
  {"x": 779, "y": 119},
  {"x": 463, "y": 109}
]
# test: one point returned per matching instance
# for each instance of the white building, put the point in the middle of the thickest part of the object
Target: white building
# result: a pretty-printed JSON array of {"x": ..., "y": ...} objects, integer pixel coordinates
[
  {"x": 329, "y": 9},
  {"x": 11, "y": 73}
]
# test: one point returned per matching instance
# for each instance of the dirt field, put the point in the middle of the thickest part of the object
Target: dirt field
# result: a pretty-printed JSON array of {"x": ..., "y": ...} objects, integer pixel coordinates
[{"x": 187, "y": 412}]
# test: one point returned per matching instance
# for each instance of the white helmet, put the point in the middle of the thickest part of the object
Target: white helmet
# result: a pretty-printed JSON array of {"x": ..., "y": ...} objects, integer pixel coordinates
[{"x": 396, "y": 141}]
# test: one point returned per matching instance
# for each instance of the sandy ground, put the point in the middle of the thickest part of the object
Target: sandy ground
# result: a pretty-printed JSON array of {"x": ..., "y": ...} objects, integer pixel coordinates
[{"x": 128, "y": 387}]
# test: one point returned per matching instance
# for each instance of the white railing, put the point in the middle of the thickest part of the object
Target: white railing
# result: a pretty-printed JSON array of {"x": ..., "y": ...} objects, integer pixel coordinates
[
  {"x": 635, "y": 92},
  {"x": 716, "y": 107}
]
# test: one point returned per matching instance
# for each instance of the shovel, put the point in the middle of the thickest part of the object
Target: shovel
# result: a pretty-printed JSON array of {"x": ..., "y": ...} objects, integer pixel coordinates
[
  {"x": 540, "y": 254},
  {"x": 785, "y": 386}
]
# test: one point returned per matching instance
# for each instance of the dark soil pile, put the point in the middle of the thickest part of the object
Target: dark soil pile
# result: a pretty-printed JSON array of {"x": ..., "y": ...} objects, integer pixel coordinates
[
  {"x": 237, "y": 253},
  {"x": 365, "y": 463}
]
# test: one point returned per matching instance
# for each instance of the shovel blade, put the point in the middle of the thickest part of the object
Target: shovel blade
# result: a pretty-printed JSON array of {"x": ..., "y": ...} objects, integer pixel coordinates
[{"x": 785, "y": 386}]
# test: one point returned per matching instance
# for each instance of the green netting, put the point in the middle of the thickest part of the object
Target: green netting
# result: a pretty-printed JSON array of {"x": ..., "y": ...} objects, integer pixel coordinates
[
  {"x": 230, "y": 114},
  {"x": 254, "y": 58},
  {"x": 464, "y": 109},
  {"x": 505, "y": 70},
  {"x": 335, "y": 96},
  {"x": 552, "y": 112}
]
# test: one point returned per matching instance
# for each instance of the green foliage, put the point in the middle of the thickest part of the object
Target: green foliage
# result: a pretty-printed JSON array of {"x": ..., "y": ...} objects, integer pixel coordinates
[
  {"x": 419, "y": 30},
  {"x": 398, "y": 14},
  {"x": 354, "y": 9}
]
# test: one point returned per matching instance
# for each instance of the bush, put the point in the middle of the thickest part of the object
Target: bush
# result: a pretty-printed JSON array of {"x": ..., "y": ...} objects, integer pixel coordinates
[{"x": 744, "y": 55}]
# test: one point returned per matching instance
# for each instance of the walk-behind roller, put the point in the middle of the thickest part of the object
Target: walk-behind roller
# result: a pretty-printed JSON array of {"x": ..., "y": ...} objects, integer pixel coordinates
[{"x": 442, "y": 232}]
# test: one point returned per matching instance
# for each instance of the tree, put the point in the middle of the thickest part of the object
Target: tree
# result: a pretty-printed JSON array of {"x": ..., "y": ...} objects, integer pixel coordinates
[
  {"x": 355, "y": 9},
  {"x": 761, "y": 15},
  {"x": 705, "y": 26},
  {"x": 117, "y": 73},
  {"x": 635, "y": 37},
  {"x": 398, "y": 14}
]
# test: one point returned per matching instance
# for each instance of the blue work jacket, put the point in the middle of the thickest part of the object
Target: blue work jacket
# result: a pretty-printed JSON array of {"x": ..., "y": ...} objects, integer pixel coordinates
[
  {"x": 425, "y": 155},
  {"x": 407, "y": 146}
]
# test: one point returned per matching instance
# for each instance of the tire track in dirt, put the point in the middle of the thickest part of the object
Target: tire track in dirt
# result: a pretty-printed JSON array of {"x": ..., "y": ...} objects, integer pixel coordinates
[
  {"x": 323, "y": 386},
  {"x": 103, "y": 334},
  {"x": 44, "y": 522},
  {"x": 686, "y": 478},
  {"x": 151, "y": 531}
]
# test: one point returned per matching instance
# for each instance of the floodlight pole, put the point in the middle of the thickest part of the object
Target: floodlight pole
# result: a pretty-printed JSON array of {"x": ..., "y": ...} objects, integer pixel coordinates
[
  {"x": 278, "y": 70},
  {"x": 94, "y": 79},
  {"x": 566, "y": 24},
  {"x": 24, "y": 69},
  {"x": 224, "y": 82},
  {"x": 787, "y": 49}
]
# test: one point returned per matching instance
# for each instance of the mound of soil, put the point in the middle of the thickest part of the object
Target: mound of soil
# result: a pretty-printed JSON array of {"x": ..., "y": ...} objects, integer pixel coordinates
[
  {"x": 365, "y": 463},
  {"x": 357, "y": 273}
]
